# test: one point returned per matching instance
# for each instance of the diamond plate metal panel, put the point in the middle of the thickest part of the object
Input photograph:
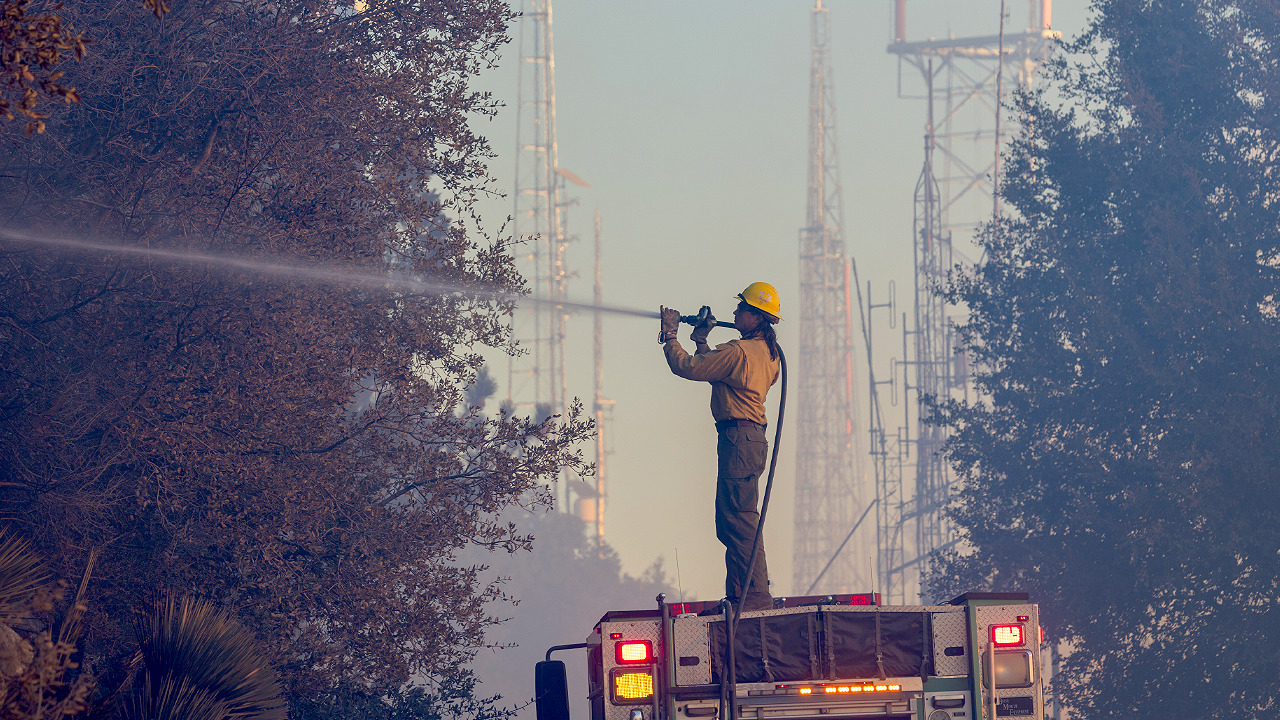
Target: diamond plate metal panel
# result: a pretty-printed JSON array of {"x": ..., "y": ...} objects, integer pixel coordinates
[
  {"x": 950, "y": 629},
  {"x": 631, "y": 631},
  {"x": 690, "y": 641},
  {"x": 999, "y": 614}
]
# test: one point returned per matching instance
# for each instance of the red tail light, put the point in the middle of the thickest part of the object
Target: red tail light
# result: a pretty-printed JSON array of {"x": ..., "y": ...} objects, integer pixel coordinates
[
  {"x": 1006, "y": 635},
  {"x": 634, "y": 651}
]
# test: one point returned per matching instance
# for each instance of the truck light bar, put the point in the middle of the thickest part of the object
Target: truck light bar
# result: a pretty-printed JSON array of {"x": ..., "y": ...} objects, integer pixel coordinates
[
  {"x": 832, "y": 689},
  {"x": 693, "y": 608},
  {"x": 1006, "y": 635},
  {"x": 634, "y": 651},
  {"x": 841, "y": 689},
  {"x": 857, "y": 599},
  {"x": 844, "y": 599}
]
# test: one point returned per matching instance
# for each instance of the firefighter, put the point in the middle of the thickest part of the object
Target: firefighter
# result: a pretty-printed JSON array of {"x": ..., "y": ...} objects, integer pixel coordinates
[{"x": 741, "y": 373}]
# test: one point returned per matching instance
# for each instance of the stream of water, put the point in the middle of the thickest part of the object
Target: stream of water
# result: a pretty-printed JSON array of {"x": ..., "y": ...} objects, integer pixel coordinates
[{"x": 317, "y": 273}]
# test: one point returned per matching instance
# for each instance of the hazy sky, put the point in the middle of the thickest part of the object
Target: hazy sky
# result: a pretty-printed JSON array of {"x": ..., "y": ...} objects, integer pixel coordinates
[{"x": 689, "y": 120}]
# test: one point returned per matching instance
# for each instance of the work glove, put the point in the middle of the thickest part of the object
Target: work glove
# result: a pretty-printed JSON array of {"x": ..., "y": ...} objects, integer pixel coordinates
[
  {"x": 670, "y": 319},
  {"x": 703, "y": 329}
]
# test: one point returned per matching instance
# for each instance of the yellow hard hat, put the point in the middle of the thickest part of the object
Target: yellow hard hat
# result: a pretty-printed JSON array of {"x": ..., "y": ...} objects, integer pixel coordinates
[{"x": 763, "y": 297}]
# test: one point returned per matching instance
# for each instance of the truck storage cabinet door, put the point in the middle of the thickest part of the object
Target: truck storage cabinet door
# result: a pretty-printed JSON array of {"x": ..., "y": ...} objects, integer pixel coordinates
[
  {"x": 854, "y": 639},
  {"x": 770, "y": 648}
]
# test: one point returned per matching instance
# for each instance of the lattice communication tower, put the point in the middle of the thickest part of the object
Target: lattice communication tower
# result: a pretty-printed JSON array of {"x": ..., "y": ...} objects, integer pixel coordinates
[
  {"x": 965, "y": 81},
  {"x": 829, "y": 494},
  {"x": 591, "y": 508},
  {"x": 536, "y": 381}
]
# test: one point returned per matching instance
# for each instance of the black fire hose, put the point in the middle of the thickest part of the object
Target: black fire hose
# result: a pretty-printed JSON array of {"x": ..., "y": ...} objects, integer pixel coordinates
[
  {"x": 768, "y": 488},
  {"x": 773, "y": 465},
  {"x": 731, "y": 628}
]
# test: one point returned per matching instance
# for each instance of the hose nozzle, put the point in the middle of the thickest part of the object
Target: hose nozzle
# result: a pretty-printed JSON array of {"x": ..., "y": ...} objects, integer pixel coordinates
[{"x": 703, "y": 313}]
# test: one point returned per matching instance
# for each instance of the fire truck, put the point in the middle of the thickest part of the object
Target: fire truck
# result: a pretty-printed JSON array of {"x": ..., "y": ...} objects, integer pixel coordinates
[{"x": 809, "y": 658}]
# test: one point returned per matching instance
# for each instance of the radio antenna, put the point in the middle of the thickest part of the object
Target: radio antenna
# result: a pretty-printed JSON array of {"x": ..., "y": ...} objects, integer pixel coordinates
[{"x": 679, "y": 583}]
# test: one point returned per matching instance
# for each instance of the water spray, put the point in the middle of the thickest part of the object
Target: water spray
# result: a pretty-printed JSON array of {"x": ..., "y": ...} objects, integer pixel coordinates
[
  {"x": 392, "y": 280},
  {"x": 333, "y": 274}
]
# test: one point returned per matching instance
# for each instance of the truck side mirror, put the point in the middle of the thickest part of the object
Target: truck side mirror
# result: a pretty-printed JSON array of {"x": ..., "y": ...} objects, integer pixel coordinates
[{"x": 551, "y": 690}]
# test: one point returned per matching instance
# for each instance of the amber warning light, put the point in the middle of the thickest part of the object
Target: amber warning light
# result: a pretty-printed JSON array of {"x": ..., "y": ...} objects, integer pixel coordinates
[
  {"x": 1006, "y": 635},
  {"x": 632, "y": 686},
  {"x": 635, "y": 651},
  {"x": 836, "y": 689}
]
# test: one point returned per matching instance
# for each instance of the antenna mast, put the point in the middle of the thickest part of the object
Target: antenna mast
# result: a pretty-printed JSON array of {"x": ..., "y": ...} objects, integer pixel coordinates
[
  {"x": 536, "y": 381},
  {"x": 593, "y": 509},
  {"x": 829, "y": 492},
  {"x": 963, "y": 137}
]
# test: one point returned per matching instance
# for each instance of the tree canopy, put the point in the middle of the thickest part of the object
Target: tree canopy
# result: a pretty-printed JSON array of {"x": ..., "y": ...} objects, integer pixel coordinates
[
  {"x": 1120, "y": 463},
  {"x": 298, "y": 452},
  {"x": 31, "y": 47},
  {"x": 557, "y": 593}
]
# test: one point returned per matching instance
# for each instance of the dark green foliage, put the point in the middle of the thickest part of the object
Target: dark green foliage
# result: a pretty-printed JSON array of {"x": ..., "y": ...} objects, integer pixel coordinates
[
  {"x": 1121, "y": 464},
  {"x": 454, "y": 697},
  {"x": 199, "y": 663},
  {"x": 558, "y": 592},
  {"x": 299, "y": 452}
]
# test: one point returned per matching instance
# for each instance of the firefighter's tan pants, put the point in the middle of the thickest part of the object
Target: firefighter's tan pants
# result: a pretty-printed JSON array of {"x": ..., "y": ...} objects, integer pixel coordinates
[{"x": 741, "y": 453}]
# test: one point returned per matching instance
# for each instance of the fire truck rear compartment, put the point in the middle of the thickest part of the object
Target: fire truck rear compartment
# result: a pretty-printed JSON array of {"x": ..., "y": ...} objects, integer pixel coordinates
[
  {"x": 818, "y": 663},
  {"x": 818, "y": 644}
]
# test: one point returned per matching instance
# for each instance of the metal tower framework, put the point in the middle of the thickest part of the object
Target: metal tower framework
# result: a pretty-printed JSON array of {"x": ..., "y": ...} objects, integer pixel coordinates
[
  {"x": 828, "y": 477},
  {"x": 933, "y": 363},
  {"x": 963, "y": 92},
  {"x": 960, "y": 78},
  {"x": 591, "y": 509},
  {"x": 536, "y": 381}
]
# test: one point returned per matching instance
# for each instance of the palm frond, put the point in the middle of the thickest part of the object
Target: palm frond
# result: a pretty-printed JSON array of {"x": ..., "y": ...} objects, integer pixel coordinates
[
  {"x": 22, "y": 573},
  {"x": 172, "y": 698},
  {"x": 191, "y": 642},
  {"x": 75, "y": 615}
]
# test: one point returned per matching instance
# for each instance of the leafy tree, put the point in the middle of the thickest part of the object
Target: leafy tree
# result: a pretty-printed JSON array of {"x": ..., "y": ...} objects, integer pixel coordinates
[
  {"x": 553, "y": 594},
  {"x": 296, "y": 452},
  {"x": 31, "y": 46},
  {"x": 453, "y": 695},
  {"x": 557, "y": 591},
  {"x": 1121, "y": 462}
]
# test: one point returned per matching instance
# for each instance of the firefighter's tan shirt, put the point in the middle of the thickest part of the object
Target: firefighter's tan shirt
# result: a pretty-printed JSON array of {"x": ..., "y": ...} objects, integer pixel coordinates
[{"x": 740, "y": 372}]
